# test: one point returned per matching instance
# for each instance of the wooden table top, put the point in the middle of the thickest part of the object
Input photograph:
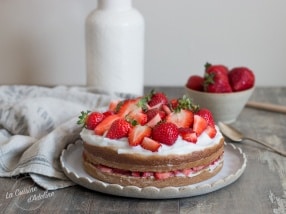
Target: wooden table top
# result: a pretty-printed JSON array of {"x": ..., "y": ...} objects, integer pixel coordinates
[{"x": 260, "y": 189}]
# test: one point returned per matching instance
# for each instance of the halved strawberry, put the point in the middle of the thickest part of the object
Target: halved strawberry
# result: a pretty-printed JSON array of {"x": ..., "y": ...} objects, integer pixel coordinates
[
  {"x": 158, "y": 99},
  {"x": 118, "y": 129},
  {"x": 154, "y": 121},
  {"x": 166, "y": 109},
  {"x": 211, "y": 131},
  {"x": 182, "y": 119},
  {"x": 137, "y": 134},
  {"x": 112, "y": 105},
  {"x": 200, "y": 124},
  {"x": 107, "y": 113},
  {"x": 127, "y": 106},
  {"x": 138, "y": 116},
  {"x": 207, "y": 115},
  {"x": 188, "y": 134},
  {"x": 105, "y": 124},
  {"x": 152, "y": 113},
  {"x": 150, "y": 144},
  {"x": 163, "y": 175}
]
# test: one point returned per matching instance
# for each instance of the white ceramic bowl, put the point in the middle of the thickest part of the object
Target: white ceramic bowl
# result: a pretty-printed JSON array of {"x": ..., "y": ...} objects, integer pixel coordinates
[{"x": 225, "y": 107}]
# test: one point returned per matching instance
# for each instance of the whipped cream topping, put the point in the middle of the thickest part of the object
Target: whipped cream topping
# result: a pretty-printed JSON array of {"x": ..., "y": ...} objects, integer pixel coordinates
[{"x": 180, "y": 147}]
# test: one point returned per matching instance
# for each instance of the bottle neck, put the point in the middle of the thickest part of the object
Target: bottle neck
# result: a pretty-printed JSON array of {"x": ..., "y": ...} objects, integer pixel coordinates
[{"x": 114, "y": 4}]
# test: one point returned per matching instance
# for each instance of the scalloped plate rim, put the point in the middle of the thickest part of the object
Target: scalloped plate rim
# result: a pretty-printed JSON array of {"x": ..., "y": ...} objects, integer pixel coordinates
[{"x": 152, "y": 192}]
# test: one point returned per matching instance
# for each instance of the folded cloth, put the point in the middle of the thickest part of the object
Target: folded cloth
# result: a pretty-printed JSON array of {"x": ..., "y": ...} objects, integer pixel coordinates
[{"x": 37, "y": 123}]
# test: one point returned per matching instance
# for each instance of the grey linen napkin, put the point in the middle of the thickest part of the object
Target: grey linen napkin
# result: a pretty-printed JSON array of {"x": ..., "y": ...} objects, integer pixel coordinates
[{"x": 36, "y": 124}]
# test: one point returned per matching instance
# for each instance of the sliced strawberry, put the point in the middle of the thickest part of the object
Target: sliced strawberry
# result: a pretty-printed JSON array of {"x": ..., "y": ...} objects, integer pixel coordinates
[
  {"x": 104, "y": 168},
  {"x": 136, "y": 174},
  {"x": 158, "y": 99},
  {"x": 127, "y": 106},
  {"x": 118, "y": 129},
  {"x": 147, "y": 174},
  {"x": 166, "y": 109},
  {"x": 107, "y": 113},
  {"x": 207, "y": 115},
  {"x": 166, "y": 133},
  {"x": 197, "y": 168},
  {"x": 150, "y": 144},
  {"x": 211, "y": 131},
  {"x": 200, "y": 124},
  {"x": 121, "y": 171},
  {"x": 137, "y": 133},
  {"x": 105, "y": 124},
  {"x": 152, "y": 113},
  {"x": 188, "y": 135},
  {"x": 138, "y": 116},
  {"x": 186, "y": 172},
  {"x": 112, "y": 105},
  {"x": 182, "y": 119},
  {"x": 154, "y": 121},
  {"x": 163, "y": 175}
]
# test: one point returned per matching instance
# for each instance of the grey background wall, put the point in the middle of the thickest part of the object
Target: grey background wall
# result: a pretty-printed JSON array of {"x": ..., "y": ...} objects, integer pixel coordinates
[{"x": 42, "y": 42}]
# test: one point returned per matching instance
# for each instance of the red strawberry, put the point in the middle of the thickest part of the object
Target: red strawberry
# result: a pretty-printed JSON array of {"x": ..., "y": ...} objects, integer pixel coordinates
[
  {"x": 166, "y": 109},
  {"x": 118, "y": 129},
  {"x": 154, "y": 121},
  {"x": 174, "y": 103},
  {"x": 166, "y": 133},
  {"x": 207, "y": 115},
  {"x": 187, "y": 171},
  {"x": 112, "y": 105},
  {"x": 216, "y": 79},
  {"x": 90, "y": 120},
  {"x": 218, "y": 69},
  {"x": 126, "y": 106},
  {"x": 105, "y": 169},
  {"x": 200, "y": 124},
  {"x": 105, "y": 124},
  {"x": 137, "y": 133},
  {"x": 152, "y": 113},
  {"x": 211, "y": 131},
  {"x": 163, "y": 175},
  {"x": 158, "y": 99},
  {"x": 150, "y": 144},
  {"x": 138, "y": 116},
  {"x": 188, "y": 134},
  {"x": 195, "y": 82},
  {"x": 241, "y": 78},
  {"x": 147, "y": 174},
  {"x": 136, "y": 174},
  {"x": 182, "y": 119},
  {"x": 107, "y": 113}
]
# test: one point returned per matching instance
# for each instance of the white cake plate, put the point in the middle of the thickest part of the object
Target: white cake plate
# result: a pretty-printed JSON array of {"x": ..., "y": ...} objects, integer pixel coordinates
[{"x": 234, "y": 165}]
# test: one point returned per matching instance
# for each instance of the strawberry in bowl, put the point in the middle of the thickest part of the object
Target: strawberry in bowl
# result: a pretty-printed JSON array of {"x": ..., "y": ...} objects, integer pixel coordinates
[{"x": 224, "y": 91}]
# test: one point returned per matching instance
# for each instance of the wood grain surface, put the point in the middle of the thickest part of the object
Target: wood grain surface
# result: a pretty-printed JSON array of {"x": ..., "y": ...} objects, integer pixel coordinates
[{"x": 261, "y": 188}]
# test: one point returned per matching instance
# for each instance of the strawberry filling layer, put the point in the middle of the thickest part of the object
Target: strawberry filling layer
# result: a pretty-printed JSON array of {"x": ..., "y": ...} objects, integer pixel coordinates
[{"x": 160, "y": 175}]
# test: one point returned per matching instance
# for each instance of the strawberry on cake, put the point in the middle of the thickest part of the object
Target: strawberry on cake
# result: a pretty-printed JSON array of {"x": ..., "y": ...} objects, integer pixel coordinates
[{"x": 152, "y": 141}]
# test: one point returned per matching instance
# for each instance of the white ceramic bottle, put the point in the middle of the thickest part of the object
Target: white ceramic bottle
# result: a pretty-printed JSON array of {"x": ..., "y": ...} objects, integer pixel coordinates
[{"x": 115, "y": 47}]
